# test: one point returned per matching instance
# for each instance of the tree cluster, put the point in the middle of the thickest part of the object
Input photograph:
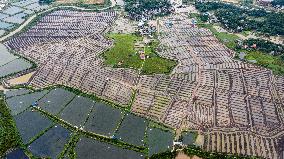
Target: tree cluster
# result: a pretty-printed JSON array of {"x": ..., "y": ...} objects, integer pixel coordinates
[
  {"x": 239, "y": 19},
  {"x": 46, "y": 1},
  {"x": 264, "y": 46},
  {"x": 277, "y": 3},
  {"x": 139, "y": 9}
]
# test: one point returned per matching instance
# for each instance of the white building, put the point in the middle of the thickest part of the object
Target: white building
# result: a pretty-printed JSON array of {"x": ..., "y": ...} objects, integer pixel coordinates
[{"x": 176, "y": 2}]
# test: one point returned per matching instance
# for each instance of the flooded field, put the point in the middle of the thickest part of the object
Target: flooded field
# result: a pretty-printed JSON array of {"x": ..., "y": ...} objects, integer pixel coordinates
[
  {"x": 88, "y": 149},
  {"x": 39, "y": 114}
]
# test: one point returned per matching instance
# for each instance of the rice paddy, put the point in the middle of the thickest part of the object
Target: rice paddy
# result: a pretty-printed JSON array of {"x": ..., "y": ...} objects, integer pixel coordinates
[
  {"x": 103, "y": 120},
  {"x": 30, "y": 124},
  {"x": 88, "y": 148},
  {"x": 38, "y": 119},
  {"x": 51, "y": 143},
  {"x": 132, "y": 130},
  {"x": 76, "y": 112}
]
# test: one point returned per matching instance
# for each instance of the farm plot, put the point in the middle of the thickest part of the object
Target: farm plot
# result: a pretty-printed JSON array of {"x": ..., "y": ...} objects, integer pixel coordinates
[
  {"x": 14, "y": 66},
  {"x": 5, "y": 55},
  {"x": 7, "y": 26},
  {"x": 12, "y": 10},
  {"x": 132, "y": 129},
  {"x": 16, "y": 92},
  {"x": 103, "y": 119},
  {"x": 188, "y": 138},
  {"x": 24, "y": 3},
  {"x": 159, "y": 140},
  {"x": 17, "y": 154},
  {"x": 3, "y": 15},
  {"x": 55, "y": 100},
  {"x": 28, "y": 12},
  {"x": 36, "y": 6},
  {"x": 31, "y": 124},
  {"x": 77, "y": 111},
  {"x": 88, "y": 148},
  {"x": 51, "y": 143},
  {"x": 18, "y": 104},
  {"x": 14, "y": 19}
]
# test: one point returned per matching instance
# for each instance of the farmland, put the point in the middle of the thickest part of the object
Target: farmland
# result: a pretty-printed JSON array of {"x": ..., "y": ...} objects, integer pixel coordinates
[
  {"x": 103, "y": 80},
  {"x": 48, "y": 134}
]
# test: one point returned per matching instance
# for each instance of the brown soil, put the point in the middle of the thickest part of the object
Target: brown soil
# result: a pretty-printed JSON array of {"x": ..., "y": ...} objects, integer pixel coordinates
[
  {"x": 181, "y": 155},
  {"x": 22, "y": 79}
]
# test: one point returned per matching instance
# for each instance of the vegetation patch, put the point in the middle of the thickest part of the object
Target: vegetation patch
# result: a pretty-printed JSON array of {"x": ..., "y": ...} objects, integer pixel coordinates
[
  {"x": 164, "y": 155},
  {"x": 124, "y": 55},
  {"x": 228, "y": 39},
  {"x": 263, "y": 46},
  {"x": 9, "y": 136},
  {"x": 274, "y": 63},
  {"x": 193, "y": 150},
  {"x": 263, "y": 53},
  {"x": 239, "y": 19},
  {"x": 137, "y": 9}
]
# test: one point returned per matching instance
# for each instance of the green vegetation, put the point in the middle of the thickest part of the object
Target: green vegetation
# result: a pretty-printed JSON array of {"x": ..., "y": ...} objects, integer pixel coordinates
[
  {"x": 157, "y": 65},
  {"x": 159, "y": 126},
  {"x": 137, "y": 9},
  {"x": 9, "y": 137},
  {"x": 196, "y": 151},
  {"x": 228, "y": 39},
  {"x": 243, "y": 19},
  {"x": 186, "y": 2},
  {"x": 277, "y": 3},
  {"x": 46, "y": 1},
  {"x": 164, "y": 155},
  {"x": 275, "y": 63},
  {"x": 106, "y": 3},
  {"x": 193, "y": 150},
  {"x": 245, "y": 33},
  {"x": 265, "y": 46},
  {"x": 124, "y": 55},
  {"x": 266, "y": 54}
]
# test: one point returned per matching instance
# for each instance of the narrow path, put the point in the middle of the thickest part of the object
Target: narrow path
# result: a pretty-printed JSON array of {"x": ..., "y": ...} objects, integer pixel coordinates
[{"x": 30, "y": 19}]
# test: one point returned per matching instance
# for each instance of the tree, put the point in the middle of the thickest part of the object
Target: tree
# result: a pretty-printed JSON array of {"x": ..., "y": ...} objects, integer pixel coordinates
[
  {"x": 277, "y": 2},
  {"x": 46, "y": 1},
  {"x": 204, "y": 17}
]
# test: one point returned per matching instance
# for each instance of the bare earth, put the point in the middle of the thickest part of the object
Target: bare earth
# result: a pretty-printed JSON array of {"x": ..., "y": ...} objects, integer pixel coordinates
[
  {"x": 22, "y": 79},
  {"x": 2, "y": 88},
  {"x": 181, "y": 155},
  {"x": 199, "y": 140}
]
